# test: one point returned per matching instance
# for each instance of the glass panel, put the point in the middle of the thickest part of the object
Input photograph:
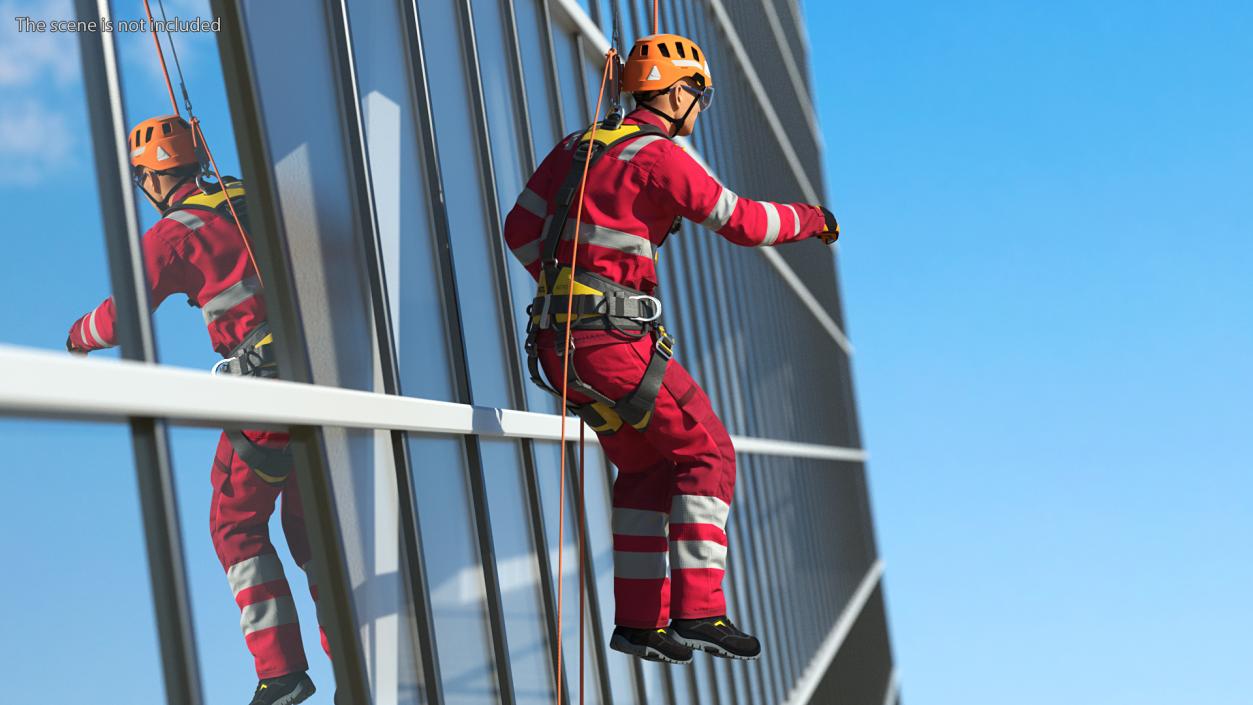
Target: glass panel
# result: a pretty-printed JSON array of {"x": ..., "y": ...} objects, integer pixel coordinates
[
  {"x": 510, "y": 165},
  {"x": 454, "y": 571},
  {"x": 599, "y": 495},
  {"x": 476, "y": 246},
  {"x": 401, "y": 200},
  {"x": 518, "y": 567},
  {"x": 81, "y": 596},
  {"x": 548, "y": 461},
  {"x": 537, "y": 77}
]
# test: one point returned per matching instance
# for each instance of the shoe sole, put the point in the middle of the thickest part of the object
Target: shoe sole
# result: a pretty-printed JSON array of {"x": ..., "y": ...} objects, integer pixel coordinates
[
  {"x": 647, "y": 653},
  {"x": 301, "y": 693},
  {"x": 711, "y": 648}
]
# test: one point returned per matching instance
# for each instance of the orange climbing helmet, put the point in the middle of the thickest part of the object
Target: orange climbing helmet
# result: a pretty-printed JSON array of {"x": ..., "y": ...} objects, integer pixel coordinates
[
  {"x": 162, "y": 143},
  {"x": 657, "y": 61}
]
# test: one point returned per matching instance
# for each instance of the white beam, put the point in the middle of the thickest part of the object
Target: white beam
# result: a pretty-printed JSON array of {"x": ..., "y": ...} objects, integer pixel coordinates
[{"x": 42, "y": 383}]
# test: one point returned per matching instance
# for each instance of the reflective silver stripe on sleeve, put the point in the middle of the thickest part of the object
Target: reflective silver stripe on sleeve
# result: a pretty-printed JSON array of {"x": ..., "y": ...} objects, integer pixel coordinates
[
  {"x": 532, "y": 203},
  {"x": 627, "y": 243},
  {"x": 634, "y": 146},
  {"x": 796, "y": 221},
  {"x": 230, "y": 297},
  {"x": 698, "y": 554},
  {"x": 255, "y": 571},
  {"x": 528, "y": 253},
  {"x": 191, "y": 220},
  {"x": 639, "y": 522},
  {"x": 698, "y": 509},
  {"x": 640, "y": 565},
  {"x": 721, "y": 213},
  {"x": 268, "y": 614},
  {"x": 95, "y": 332},
  {"x": 772, "y": 224}
]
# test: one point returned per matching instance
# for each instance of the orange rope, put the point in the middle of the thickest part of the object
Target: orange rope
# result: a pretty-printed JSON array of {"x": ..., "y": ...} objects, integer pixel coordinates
[
  {"x": 565, "y": 382},
  {"x": 195, "y": 123},
  {"x": 655, "y": 16},
  {"x": 161, "y": 56},
  {"x": 198, "y": 136}
]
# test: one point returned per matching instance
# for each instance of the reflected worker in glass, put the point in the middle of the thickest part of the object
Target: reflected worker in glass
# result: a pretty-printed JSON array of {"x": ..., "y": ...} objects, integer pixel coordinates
[
  {"x": 676, "y": 465},
  {"x": 197, "y": 249}
]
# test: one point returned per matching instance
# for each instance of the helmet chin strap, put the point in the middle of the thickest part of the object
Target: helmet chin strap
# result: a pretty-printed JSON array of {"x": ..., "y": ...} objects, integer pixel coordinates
[
  {"x": 676, "y": 124},
  {"x": 163, "y": 204}
]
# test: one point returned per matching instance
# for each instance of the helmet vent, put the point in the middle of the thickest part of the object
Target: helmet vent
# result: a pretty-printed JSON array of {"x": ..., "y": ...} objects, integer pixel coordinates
[
  {"x": 148, "y": 136},
  {"x": 644, "y": 50},
  {"x": 679, "y": 46},
  {"x": 165, "y": 128},
  {"x": 695, "y": 53},
  {"x": 665, "y": 51}
]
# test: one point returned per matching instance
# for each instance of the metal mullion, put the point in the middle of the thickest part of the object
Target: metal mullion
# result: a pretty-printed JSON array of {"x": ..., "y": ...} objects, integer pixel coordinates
[
  {"x": 421, "y": 627},
  {"x": 149, "y": 439},
  {"x": 411, "y": 12},
  {"x": 530, "y": 463},
  {"x": 592, "y": 606},
  {"x": 331, "y": 572}
]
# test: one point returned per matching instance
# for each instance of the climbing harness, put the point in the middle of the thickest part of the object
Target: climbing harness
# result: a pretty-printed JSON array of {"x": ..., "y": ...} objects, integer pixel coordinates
[
  {"x": 254, "y": 355},
  {"x": 595, "y": 303}
]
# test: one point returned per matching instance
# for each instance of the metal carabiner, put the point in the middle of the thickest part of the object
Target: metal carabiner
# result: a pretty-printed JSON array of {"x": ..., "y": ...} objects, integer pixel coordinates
[
  {"x": 656, "y": 302},
  {"x": 222, "y": 364}
]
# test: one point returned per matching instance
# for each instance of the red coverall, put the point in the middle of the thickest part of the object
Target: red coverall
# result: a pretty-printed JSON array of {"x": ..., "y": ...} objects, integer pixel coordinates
[
  {"x": 677, "y": 477},
  {"x": 202, "y": 255}
]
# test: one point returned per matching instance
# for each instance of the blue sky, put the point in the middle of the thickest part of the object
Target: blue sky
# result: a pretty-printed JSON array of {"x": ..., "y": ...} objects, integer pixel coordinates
[{"x": 1046, "y": 270}]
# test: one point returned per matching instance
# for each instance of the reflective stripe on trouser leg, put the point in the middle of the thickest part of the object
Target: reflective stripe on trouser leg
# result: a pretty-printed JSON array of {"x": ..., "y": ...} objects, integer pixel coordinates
[
  {"x": 685, "y": 450},
  {"x": 239, "y": 518},
  {"x": 641, "y": 552},
  {"x": 698, "y": 555}
]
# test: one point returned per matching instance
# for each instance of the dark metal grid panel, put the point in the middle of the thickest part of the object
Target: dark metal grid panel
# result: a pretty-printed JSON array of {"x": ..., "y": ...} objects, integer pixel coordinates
[{"x": 862, "y": 669}]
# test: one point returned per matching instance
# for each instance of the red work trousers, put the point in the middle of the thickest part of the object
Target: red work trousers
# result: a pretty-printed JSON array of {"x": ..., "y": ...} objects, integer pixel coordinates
[
  {"x": 674, "y": 487},
  {"x": 239, "y": 522}
]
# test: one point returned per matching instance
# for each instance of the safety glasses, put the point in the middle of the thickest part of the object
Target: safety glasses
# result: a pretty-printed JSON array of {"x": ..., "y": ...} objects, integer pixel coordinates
[{"x": 706, "y": 95}]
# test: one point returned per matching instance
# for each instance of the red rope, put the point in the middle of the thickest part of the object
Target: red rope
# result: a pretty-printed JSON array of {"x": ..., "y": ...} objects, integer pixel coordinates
[{"x": 565, "y": 382}]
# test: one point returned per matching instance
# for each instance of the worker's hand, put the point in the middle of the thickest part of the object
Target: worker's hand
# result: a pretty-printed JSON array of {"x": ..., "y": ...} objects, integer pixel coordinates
[
  {"x": 73, "y": 349},
  {"x": 832, "y": 232}
]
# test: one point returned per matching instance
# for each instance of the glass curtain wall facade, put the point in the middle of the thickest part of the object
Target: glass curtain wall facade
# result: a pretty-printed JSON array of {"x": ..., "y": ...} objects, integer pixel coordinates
[{"x": 383, "y": 144}]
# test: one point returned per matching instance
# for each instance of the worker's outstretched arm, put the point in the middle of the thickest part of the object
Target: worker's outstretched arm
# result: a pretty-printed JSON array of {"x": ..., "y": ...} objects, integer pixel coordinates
[
  {"x": 165, "y": 270},
  {"x": 680, "y": 181}
]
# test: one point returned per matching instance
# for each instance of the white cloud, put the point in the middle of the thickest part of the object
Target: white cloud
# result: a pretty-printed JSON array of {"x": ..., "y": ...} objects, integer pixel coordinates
[
  {"x": 31, "y": 58},
  {"x": 35, "y": 142}
]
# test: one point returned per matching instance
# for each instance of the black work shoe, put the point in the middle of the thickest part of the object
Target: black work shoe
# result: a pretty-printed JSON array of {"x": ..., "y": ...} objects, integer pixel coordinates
[
  {"x": 717, "y": 636},
  {"x": 650, "y": 644},
  {"x": 285, "y": 690}
]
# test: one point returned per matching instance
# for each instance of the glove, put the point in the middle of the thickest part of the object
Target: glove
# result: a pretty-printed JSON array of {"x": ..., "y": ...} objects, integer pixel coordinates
[
  {"x": 71, "y": 348},
  {"x": 832, "y": 233}
]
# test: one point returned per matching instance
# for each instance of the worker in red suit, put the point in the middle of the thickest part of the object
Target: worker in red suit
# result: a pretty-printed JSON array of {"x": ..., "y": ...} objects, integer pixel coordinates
[
  {"x": 676, "y": 464},
  {"x": 196, "y": 249}
]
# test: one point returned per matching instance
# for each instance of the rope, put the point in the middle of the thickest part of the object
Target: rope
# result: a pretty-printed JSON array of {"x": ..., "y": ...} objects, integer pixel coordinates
[
  {"x": 655, "y": 16},
  {"x": 565, "y": 381},
  {"x": 197, "y": 132},
  {"x": 161, "y": 57}
]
